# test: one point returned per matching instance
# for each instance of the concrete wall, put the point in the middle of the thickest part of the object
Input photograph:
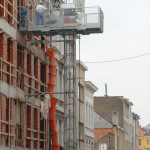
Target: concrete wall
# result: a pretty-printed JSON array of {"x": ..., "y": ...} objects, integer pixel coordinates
[
  {"x": 119, "y": 139},
  {"x": 101, "y": 123}
]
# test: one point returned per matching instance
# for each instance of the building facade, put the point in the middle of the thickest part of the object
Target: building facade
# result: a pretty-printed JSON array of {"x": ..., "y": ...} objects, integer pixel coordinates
[
  {"x": 81, "y": 68},
  {"x": 107, "y": 134},
  {"x": 90, "y": 88},
  {"x": 25, "y": 70},
  {"x": 118, "y": 111},
  {"x": 144, "y": 139}
]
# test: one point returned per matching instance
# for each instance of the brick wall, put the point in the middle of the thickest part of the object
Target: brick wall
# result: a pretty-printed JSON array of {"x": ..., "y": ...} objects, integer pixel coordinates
[
  {"x": 3, "y": 53},
  {"x": 107, "y": 105},
  {"x": 103, "y": 131},
  {"x": 3, "y": 117}
]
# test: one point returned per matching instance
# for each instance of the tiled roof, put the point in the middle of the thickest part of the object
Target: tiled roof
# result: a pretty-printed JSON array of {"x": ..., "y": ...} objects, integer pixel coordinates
[{"x": 145, "y": 132}]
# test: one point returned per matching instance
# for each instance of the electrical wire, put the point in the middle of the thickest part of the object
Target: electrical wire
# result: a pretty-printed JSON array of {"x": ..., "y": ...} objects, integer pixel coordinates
[{"x": 119, "y": 59}]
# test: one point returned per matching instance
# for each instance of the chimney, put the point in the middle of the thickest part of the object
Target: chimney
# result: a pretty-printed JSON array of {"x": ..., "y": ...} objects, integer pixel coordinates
[{"x": 105, "y": 90}]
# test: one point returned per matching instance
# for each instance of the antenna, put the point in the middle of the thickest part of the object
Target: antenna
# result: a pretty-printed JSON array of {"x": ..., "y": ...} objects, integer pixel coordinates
[{"x": 105, "y": 90}]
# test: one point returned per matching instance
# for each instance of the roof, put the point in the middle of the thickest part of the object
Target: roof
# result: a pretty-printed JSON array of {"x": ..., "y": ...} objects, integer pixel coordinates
[
  {"x": 128, "y": 102},
  {"x": 145, "y": 132},
  {"x": 91, "y": 86},
  {"x": 82, "y": 65}
]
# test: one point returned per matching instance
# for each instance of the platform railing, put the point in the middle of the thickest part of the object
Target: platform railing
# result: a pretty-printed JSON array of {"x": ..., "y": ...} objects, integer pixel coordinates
[{"x": 63, "y": 18}]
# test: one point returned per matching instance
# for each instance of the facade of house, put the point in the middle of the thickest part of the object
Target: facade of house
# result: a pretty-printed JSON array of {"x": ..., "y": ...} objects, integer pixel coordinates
[
  {"x": 107, "y": 134},
  {"x": 81, "y": 68},
  {"x": 25, "y": 70},
  {"x": 118, "y": 111},
  {"x": 144, "y": 139},
  {"x": 90, "y": 88}
]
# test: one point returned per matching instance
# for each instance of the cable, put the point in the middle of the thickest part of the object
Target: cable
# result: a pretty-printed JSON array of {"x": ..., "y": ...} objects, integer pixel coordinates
[{"x": 119, "y": 59}]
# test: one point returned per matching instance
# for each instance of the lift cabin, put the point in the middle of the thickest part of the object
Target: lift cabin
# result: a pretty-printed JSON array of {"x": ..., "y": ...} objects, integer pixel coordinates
[{"x": 63, "y": 18}]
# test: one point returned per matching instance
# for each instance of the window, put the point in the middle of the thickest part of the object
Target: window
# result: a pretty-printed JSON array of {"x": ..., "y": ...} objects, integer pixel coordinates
[
  {"x": 60, "y": 83},
  {"x": 147, "y": 141},
  {"x": 147, "y": 148},
  {"x": 80, "y": 92},
  {"x": 42, "y": 131},
  {"x": 28, "y": 63},
  {"x": 42, "y": 43},
  {"x": 81, "y": 129},
  {"x": 28, "y": 141},
  {"x": 89, "y": 115},
  {"x": 42, "y": 76},
  {"x": 115, "y": 117},
  {"x": 139, "y": 141},
  {"x": 8, "y": 59},
  {"x": 86, "y": 114}
]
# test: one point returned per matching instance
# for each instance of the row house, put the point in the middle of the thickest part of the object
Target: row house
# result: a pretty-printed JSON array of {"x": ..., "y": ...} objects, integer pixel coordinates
[
  {"x": 117, "y": 110},
  {"x": 90, "y": 89}
]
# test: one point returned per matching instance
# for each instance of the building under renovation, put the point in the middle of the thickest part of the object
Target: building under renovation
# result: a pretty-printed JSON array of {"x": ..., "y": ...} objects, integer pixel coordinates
[{"x": 38, "y": 57}]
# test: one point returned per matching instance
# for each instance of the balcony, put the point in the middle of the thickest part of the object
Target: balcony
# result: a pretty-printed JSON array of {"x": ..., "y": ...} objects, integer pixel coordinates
[{"x": 64, "y": 20}]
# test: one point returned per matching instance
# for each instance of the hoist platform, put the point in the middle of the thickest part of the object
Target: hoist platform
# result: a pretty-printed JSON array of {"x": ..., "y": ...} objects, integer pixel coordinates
[{"x": 57, "y": 21}]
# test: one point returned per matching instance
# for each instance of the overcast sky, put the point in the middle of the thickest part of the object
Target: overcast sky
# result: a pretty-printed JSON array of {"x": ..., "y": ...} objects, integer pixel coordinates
[{"x": 126, "y": 34}]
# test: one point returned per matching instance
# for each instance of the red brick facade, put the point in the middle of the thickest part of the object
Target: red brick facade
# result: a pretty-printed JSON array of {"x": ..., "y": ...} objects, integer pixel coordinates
[
  {"x": 20, "y": 56},
  {"x": 17, "y": 54}
]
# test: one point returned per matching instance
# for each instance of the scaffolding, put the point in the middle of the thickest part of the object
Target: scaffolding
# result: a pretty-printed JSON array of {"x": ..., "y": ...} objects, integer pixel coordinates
[{"x": 66, "y": 20}]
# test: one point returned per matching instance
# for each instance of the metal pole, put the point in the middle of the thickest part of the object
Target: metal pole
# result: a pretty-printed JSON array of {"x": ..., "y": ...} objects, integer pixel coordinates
[
  {"x": 1, "y": 98},
  {"x": 29, "y": 95},
  {"x": 79, "y": 92},
  {"x": 32, "y": 126},
  {"x": 9, "y": 102}
]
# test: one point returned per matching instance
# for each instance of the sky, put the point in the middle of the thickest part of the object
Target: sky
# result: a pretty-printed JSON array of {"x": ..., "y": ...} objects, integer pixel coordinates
[{"x": 126, "y": 34}]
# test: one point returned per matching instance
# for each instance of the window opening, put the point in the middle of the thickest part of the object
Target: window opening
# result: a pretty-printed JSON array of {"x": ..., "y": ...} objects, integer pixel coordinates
[
  {"x": 115, "y": 117},
  {"x": 28, "y": 56},
  {"x": 42, "y": 43},
  {"x": 8, "y": 59},
  {"x": 147, "y": 141},
  {"x": 80, "y": 92},
  {"x": 81, "y": 131},
  {"x": 60, "y": 81},
  {"x": 28, "y": 141},
  {"x": 34, "y": 65},
  {"x": 19, "y": 3},
  {"x": 7, "y": 119},
  {"x": 41, "y": 131},
  {"x": 42, "y": 75},
  {"x": 35, "y": 125}
]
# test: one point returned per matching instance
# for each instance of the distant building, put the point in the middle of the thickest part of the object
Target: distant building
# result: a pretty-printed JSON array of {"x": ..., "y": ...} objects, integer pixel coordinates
[
  {"x": 90, "y": 88},
  {"x": 117, "y": 110},
  {"x": 107, "y": 134},
  {"x": 144, "y": 139}
]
